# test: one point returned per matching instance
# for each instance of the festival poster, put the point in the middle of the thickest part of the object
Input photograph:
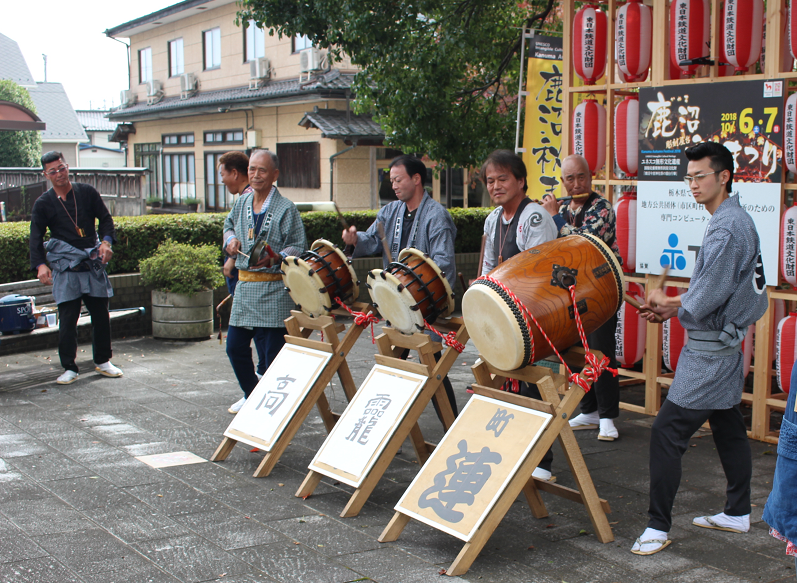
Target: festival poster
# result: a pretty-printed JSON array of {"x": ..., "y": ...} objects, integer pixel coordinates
[
  {"x": 277, "y": 396},
  {"x": 542, "y": 130},
  {"x": 470, "y": 468},
  {"x": 367, "y": 424},
  {"x": 746, "y": 117}
]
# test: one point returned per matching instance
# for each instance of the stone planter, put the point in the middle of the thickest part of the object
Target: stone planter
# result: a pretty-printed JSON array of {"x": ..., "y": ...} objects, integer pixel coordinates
[{"x": 182, "y": 317}]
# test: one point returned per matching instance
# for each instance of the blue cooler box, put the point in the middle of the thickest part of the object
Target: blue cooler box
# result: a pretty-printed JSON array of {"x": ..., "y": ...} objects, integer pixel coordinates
[{"x": 16, "y": 314}]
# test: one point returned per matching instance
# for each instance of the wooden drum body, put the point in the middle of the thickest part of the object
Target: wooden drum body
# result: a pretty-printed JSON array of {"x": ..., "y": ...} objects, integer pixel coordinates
[
  {"x": 539, "y": 277},
  {"x": 409, "y": 291},
  {"x": 318, "y": 276}
]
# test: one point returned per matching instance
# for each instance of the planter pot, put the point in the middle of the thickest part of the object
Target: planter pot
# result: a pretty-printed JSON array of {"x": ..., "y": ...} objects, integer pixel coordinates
[
  {"x": 156, "y": 204},
  {"x": 178, "y": 316},
  {"x": 193, "y": 207}
]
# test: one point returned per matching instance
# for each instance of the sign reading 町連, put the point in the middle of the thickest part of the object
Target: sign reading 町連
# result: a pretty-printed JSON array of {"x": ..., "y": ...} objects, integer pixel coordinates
[{"x": 746, "y": 117}]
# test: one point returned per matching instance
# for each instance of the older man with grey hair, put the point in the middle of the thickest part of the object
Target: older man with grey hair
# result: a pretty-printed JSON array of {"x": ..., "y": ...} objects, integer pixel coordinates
[{"x": 260, "y": 304}]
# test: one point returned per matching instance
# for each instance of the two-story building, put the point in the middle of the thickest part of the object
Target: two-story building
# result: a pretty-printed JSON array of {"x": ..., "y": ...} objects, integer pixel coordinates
[{"x": 202, "y": 85}]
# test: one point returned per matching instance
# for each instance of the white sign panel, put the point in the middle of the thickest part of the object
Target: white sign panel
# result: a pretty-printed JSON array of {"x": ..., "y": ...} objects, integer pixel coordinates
[
  {"x": 278, "y": 395},
  {"x": 367, "y": 424},
  {"x": 671, "y": 225}
]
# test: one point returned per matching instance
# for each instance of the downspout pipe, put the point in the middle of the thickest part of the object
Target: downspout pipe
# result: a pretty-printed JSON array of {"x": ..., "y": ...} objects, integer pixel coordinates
[{"x": 332, "y": 169}]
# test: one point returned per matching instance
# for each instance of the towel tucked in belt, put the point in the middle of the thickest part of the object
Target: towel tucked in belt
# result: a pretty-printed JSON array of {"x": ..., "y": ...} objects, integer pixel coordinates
[{"x": 258, "y": 276}]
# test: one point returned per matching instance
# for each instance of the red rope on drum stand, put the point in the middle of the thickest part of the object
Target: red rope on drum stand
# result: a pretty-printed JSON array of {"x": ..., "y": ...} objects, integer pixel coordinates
[
  {"x": 361, "y": 318},
  {"x": 449, "y": 339},
  {"x": 593, "y": 368}
]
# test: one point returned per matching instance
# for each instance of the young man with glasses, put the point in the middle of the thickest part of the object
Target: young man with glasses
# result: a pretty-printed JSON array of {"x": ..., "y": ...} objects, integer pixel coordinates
[
  {"x": 726, "y": 294},
  {"x": 77, "y": 254}
]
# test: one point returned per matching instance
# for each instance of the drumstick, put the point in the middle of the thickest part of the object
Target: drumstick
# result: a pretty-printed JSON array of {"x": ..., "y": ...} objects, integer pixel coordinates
[
  {"x": 381, "y": 230},
  {"x": 244, "y": 254},
  {"x": 638, "y": 306},
  {"x": 340, "y": 217}
]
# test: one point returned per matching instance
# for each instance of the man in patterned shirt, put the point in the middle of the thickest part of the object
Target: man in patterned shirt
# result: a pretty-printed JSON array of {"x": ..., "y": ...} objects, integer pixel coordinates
[
  {"x": 260, "y": 304},
  {"x": 725, "y": 295},
  {"x": 589, "y": 212}
]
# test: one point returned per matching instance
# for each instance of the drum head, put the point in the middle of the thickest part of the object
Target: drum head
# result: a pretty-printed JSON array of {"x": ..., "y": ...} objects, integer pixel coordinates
[
  {"x": 494, "y": 328},
  {"x": 305, "y": 287},
  {"x": 448, "y": 307},
  {"x": 394, "y": 305},
  {"x": 320, "y": 245}
]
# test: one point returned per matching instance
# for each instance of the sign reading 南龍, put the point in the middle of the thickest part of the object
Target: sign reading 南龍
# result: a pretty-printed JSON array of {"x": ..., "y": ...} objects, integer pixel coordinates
[{"x": 747, "y": 118}]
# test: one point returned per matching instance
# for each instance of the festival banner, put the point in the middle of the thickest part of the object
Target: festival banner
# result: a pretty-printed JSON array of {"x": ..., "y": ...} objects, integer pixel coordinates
[
  {"x": 542, "y": 130},
  {"x": 746, "y": 117}
]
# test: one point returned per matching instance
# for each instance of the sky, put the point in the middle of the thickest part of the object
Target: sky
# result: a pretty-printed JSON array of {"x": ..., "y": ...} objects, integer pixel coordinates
[{"x": 91, "y": 66}]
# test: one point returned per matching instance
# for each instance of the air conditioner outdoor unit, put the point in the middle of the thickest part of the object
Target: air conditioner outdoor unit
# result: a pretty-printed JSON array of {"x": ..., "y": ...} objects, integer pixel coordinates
[
  {"x": 309, "y": 60},
  {"x": 127, "y": 98},
  {"x": 259, "y": 68},
  {"x": 187, "y": 82},
  {"x": 154, "y": 88}
]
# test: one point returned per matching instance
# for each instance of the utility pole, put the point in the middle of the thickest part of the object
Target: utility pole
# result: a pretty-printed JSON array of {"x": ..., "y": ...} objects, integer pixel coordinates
[{"x": 45, "y": 67}]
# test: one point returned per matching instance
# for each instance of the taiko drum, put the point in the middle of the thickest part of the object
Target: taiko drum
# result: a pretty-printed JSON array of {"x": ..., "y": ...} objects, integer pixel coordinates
[
  {"x": 540, "y": 278},
  {"x": 318, "y": 276}
]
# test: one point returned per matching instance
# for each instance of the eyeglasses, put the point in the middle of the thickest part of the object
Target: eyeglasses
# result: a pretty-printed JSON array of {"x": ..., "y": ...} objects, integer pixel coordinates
[
  {"x": 61, "y": 168},
  {"x": 698, "y": 177}
]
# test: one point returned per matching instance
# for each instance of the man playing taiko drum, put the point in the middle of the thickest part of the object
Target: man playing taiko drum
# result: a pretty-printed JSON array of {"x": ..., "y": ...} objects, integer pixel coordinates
[
  {"x": 589, "y": 212},
  {"x": 515, "y": 225},
  {"x": 725, "y": 296}
]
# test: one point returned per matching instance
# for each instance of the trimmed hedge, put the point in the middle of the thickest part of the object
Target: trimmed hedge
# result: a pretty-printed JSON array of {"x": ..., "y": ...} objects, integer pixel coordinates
[{"x": 139, "y": 237}]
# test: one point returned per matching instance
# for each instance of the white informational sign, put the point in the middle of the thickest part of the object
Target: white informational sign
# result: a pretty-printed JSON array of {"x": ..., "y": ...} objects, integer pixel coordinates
[
  {"x": 472, "y": 465},
  {"x": 278, "y": 395},
  {"x": 671, "y": 225},
  {"x": 367, "y": 424}
]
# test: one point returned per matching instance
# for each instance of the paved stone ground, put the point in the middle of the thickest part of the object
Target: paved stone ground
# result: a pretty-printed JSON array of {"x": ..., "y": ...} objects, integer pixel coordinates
[{"x": 76, "y": 505}]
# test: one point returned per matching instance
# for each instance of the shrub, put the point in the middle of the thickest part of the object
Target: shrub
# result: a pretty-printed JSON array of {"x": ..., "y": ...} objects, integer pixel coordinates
[{"x": 182, "y": 269}]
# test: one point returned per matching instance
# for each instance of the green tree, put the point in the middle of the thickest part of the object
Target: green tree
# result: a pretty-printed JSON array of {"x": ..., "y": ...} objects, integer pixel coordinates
[
  {"x": 440, "y": 76},
  {"x": 19, "y": 149}
]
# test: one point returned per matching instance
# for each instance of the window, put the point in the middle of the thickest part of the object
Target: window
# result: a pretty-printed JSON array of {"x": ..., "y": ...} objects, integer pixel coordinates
[
  {"x": 145, "y": 65},
  {"x": 178, "y": 140},
  {"x": 300, "y": 165},
  {"x": 176, "y": 66},
  {"x": 178, "y": 178},
  {"x": 217, "y": 197},
  {"x": 225, "y": 137},
  {"x": 254, "y": 41},
  {"x": 300, "y": 42},
  {"x": 148, "y": 156},
  {"x": 211, "y": 41}
]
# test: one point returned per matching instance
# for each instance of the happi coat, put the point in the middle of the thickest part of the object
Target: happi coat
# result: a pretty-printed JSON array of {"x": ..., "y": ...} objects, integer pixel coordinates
[
  {"x": 726, "y": 294},
  {"x": 433, "y": 232},
  {"x": 264, "y": 304}
]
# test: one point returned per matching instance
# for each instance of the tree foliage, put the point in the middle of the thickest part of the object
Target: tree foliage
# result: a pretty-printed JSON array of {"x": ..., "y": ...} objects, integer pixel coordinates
[
  {"x": 440, "y": 76},
  {"x": 19, "y": 149}
]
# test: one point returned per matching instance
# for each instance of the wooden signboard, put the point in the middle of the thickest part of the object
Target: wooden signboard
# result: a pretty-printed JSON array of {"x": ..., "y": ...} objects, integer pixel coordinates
[
  {"x": 367, "y": 424},
  {"x": 273, "y": 403},
  {"x": 272, "y": 415},
  {"x": 471, "y": 466}
]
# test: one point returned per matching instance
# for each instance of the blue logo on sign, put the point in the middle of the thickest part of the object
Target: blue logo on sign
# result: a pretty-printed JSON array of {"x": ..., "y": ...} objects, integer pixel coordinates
[{"x": 673, "y": 258}]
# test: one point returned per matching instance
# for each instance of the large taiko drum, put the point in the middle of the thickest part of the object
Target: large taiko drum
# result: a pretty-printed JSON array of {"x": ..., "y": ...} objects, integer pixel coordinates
[
  {"x": 318, "y": 276},
  {"x": 409, "y": 291},
  {"x": 540, "y": 278}
]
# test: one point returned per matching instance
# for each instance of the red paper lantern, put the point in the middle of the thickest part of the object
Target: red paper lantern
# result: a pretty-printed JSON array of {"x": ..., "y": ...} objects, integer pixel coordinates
[
  {"x": 634, "y": 38},
  {"x": 744, "y": 28},
  {"x": 790, "y": 133},
  {"x": 724, "y": 70},
  {"x": 788, "y": 245},
  {"x": 785, "y": 351},
  {"x": 689, "y": 32},
  {"x": 791, "y": 27},
  {"x": 631, "y": 329},
  {"x": 673, "y": 335},
  {"x": 625, "y": 231},
  {"x": 589, "y": 133},
  {"x": 626, "y": 134},
  {"x": 589, "y": 43},
  {"x": 778, "y": 313}
]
